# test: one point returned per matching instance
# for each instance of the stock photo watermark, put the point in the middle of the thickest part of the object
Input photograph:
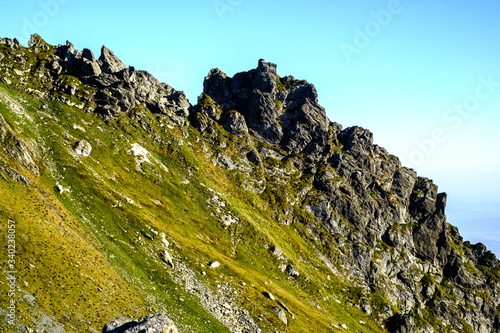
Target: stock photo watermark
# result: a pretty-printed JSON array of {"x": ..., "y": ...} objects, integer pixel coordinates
[
  {"x": 453, "y": 119},
  {"x": 47, "y": 10},
  {"x": 160, "y": 72},
  {"x": 11, "y": 273},
  {"x": 364, "y": 35},
  {"x": 224, "y": 6}
]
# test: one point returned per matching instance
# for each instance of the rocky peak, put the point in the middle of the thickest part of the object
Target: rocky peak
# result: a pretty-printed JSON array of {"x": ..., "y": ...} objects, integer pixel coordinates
[
  {"x": 68, "y": 53},
  {"x": 281, "y": 111},
  {"x": 88, "y": 54},
  {"x": 38, "y": 44},
  {"x": 110, "y": 63},
  {"x": 103, "y": 85},
  {"x": 12, "y": 43},
  {"x": 217, "y": 85},
  {"x": 265, "y": 79}
]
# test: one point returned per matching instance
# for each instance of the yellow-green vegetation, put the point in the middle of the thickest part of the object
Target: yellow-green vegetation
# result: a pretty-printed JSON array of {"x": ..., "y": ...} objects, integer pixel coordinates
[
  {"x": 60, "y": 265},
  {"x": 90, "y": 254},
  {"x": 278, "y": 104},
  {"x": 206, "y": 100},
  {"x": 287, "y": 85},
  {"x": 493, "y": 275},
  {"x": 427, "y": 280}
]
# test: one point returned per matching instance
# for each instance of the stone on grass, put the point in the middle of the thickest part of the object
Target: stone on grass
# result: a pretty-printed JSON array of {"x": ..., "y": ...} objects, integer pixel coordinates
[
  {"x": 83, "y": 148},
  {"x": 281, "y": 315},
  {"x": 157, "y": 323},
  {"x": 214, "y": 264},
  {"x": 268, "y": 295},
  {"x": 167, "y": 258}
]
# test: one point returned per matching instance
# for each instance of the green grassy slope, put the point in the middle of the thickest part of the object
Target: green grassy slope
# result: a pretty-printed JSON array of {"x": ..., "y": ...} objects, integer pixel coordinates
[{"x": 93, "y": 253}]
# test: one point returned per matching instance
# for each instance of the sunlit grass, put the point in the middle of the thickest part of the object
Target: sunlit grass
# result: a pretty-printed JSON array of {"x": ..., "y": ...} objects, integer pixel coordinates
[{"x": 95, "y": 264}]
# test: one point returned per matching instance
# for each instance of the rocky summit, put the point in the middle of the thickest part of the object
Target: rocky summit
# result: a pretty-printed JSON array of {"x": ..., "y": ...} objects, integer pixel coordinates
[{"x": 250, "y": 211}]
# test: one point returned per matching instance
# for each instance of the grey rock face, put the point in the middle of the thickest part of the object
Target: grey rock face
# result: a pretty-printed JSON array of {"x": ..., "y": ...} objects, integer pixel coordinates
[
  {"x": 24, "y": 151},
  {"x": 12, "y": 43},
  {"x": 362, "y": 197},
  {"x": 157, "y": 323},
  {"x": 90, "y": 67},
  {"x": 234, "y": 122},
  {"x": 14, "y": 174},
  {"x": 119, "y": 98},
  {"x": 283, "y": 113},
  {"x": 110, "y": 63},
  {"x": 68, "y": 54},
  {"x": 118, "y": 89},
  {"x": 281, "y": 315}
]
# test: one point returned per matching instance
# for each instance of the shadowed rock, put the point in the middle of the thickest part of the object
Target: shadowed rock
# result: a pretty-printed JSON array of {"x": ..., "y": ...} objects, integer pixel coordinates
[{"x": 157, "y": 323}]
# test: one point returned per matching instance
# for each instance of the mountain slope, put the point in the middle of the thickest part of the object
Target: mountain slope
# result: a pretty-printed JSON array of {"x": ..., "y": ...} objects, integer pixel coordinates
[{"x": 125, "y": 195}]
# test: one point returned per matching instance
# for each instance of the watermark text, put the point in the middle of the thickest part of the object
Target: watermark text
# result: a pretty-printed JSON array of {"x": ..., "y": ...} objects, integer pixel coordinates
[
  {"x": 364, "y": 35},
  {"x": 11, "y": 272},
  {"x": 223, "y": 6},
  {"x": 48, "y": 9},
  {"x": 453, "y": 119}
]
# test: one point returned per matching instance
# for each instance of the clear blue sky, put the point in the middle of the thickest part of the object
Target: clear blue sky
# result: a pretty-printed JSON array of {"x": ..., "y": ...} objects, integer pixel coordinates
[{"x": 422, "y": 75}]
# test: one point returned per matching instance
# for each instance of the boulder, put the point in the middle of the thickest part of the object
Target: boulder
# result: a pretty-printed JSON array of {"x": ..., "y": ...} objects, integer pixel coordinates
[
  {"x": 214, "y": 264},
  {"x": 268, "y": 295},
  {"x": 83, "y": 148},
  {"x": 157, "y": 323},
  {"x": 167, "y": 258},
  {"x": 292, "y": 271},
  {"x": 286, "y": 309},
  {"x": 235, "y": 122},
  {"x": 60, "y": 189},
  {"x": 277, "y": 252},
  {"x": 163, "y": 240},
  {"x": 281, "y": 315}
]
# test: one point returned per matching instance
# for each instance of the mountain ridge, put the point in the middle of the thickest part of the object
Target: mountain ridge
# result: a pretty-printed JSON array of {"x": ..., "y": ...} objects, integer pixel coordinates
[{"x": 378, "y": 228}]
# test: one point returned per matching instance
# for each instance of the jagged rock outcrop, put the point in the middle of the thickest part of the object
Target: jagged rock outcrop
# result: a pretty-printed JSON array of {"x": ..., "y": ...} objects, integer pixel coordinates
[
  {"x": 284, "y": 111},
  {"x": 110, "y": 63},
  {"x": 112, "y": 88},
  {"x": 366, "y": 201}
]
